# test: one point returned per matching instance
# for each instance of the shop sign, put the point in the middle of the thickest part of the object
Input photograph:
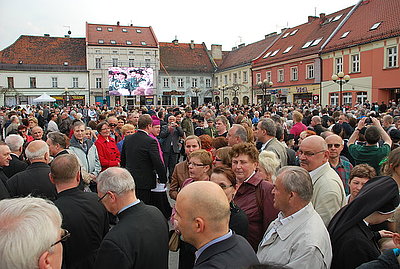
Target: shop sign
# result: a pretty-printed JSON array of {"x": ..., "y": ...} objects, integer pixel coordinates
[
  {"x": 174, "y": 92},
  {"x": 283, "y": 92},
  {"x": 216, "y": 92},
  {"x": 301, "y": 89}
]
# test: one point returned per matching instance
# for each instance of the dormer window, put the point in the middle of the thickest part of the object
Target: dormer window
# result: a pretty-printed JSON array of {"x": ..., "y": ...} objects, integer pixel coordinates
[
  {"x": 288, "y": 49},
  {"x": 124, "y": 30},
  {"x": 345, "y": 34},
  {"x": 294, "y": 32},
  {"x": 316, "y": 41},
  {"x": 138, "y": 31},
  {"x": 99, "y": 29},
  {"x": 268, "y": 54},
  {"x": 113, "y": 42},
  {"x": 65, "y": 63},
  {"x": 375, "y": 26},
  {"x": 275, "y": 52},
  {"x": 101, "y": 41},
  {"x": 285, "y": 35},
  {"x": 110, "y": 29},
  {"x": 307, "y": 44},
  {"x": 143, "y": 43},
  {"x": 337, "y": 17},
  {"x": 129, "y": 42}
]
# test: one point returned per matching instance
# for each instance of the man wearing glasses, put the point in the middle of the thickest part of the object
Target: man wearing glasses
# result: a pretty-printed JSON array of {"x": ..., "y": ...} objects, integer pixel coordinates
[
  {"x": 140, "y": 238},
  {"x": 31, "y": 234},
  {"x": 328, "y": 196}
]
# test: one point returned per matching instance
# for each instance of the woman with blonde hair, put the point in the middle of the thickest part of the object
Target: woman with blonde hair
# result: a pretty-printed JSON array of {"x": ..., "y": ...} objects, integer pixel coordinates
[
  {"x": 298, "y": 126},
  {"x": 268, "y": 163}
]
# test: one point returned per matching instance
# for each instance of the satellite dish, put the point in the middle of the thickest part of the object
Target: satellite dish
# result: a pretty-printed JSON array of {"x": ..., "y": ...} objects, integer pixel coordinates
[{"x": 69, "y": 32}]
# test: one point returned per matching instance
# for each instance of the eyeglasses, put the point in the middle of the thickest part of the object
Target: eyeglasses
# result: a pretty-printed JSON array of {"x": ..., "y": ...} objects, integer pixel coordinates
[
  {"x": 112, "y": 124},
  {"x": 308, "y": 153},
  {"x": 196, "y": 164},
  {"x": 334, "y": 145},
  {"x": 224, "y": 187},
  {"x": 65, "y": 235},
  {"x": 102, "y": 197}
]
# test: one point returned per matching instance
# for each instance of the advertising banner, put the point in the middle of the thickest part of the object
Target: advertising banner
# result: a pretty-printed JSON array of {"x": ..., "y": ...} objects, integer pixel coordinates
[{"x": 130, "y": 81}]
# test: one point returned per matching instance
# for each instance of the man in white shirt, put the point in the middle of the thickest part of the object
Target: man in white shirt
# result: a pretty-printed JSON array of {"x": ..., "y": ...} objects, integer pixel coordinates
[
  {"x": 328, "y": 196},
  {"x": 52, "y": 125},
  {"x": 298, "y": 237}
]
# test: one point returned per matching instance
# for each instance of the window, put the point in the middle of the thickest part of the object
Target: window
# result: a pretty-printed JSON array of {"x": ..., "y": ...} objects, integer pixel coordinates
[
  {"x": 166, "y": 82},
  {"x": 258, "y": 77},
  {"x": 245, "y": 78},
  {"x": 294, "y": 32},
  {"x": 361, "y": 97},
  {"x": 208, "y": 83},
  {"x": 98, "y": 83},
  {"x": 129, "y": 42},
  {"x": 338, "y": 65},
  {"x": 113, "y": 42},
  {"x": 98, "y": 51},
  {"x": 99, "y": 29},
  {"x": 280, "y": 75},
  {"x": 268, "y": 76},
  {"x": 288, "y": 49},
  {"x": 75, "y": 83},
  {"x": 131, "y": 62},
  {"x": 334, "y": 99},
  {"x": 337, "y": 17},
  {"x": 180, "y": 83},
  {"x": 345, "y": 34},
  {"x": 32, "y": 82},
  {"x": 147, "y": 62},
  {"x": 115, "y": 52},
  {"x": 147, "y": 52},
  {"x": 275, "y": 52},
  {"x": 375, "y": 26},
  {"x": 98, "y": 63},
  {"x": 54, "y": 82},
  {"x": 268, "y": 54},
  {"x": 294, "y": 73},
  {"x": 101, "y": 41},
  {"x": 130, "y": 52},
  {"x": 194, "y": 82},
  {"x": 355, "y": 63},
  {"x": 124, "y": 30},
  {"x": 235, "y": 78},
  {"x": 347, "y": 98},
  {"x": 316, "y": 41},
  {"x": 143, "y": 43},
  {"x": 391, "y": 56},
  {"x": 226, "y": 79},
  {"x": 138, "y": 31},
  {"x": 115, "y": 62},
  {"x": 10, "y": 82},
  {"x": 310, "y": 71},
  {"x": 285, "y": 35},
  {"x": 307, "y": 44},
  {"x": 110, "y": 29}
]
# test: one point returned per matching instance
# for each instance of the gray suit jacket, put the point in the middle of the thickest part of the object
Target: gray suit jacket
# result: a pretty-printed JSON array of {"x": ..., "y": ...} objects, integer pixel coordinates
[{"x": 275, "y": 146}]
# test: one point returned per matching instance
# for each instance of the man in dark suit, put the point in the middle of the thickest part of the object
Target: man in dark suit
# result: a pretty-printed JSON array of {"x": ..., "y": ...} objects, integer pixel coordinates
[
  {"x": 58, "y": 142},
  {"x": 35, "y": 179},
  {"x": 83, "y": 216},
  {"x": 170, "y": 135},
  {"x": 202, "y": 216},
  {"x": 15, "y": 143},
  {"x": 4, "y": 162},
  {"x": 140, "y": 238},
  {"x": 141, "y": 157}
]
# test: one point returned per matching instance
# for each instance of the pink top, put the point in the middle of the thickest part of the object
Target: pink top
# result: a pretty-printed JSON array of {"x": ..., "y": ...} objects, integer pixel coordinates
[{"x": 297, "y": 129}]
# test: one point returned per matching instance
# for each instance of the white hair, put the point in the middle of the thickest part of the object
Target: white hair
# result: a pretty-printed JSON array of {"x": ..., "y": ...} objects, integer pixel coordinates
[
  {"x": 269, "y": 161},
  {"x": 115, "y": 179},
  {"x": 39, "y": 154},
  {"x": 29, "y": 226},
  {"x": 14, "y": 142}
]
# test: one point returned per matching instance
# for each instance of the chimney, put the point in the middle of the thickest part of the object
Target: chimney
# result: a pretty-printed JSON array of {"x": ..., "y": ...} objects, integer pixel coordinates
[
  {"x": 242, "y": 45},
  {"x": 216, "y": 52},
  {"x": 47, "y": 35},
  {"x": 175, "y": 41},
  {"x": 322, "y": 17},
  {"x": 234, "y": 48},
  {"x": 191, "y": 44},
  {"x": 117, "y": 23},
  {"x": 270, "y": 34},
  {"x": 311, "y": 18}
]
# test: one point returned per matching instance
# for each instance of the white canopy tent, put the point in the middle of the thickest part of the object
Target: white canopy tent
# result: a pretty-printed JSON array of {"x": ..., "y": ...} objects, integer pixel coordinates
[{"x": 44, "y": 98}]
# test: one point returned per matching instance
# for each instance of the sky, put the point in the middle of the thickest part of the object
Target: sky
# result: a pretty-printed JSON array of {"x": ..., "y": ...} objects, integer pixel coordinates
[{"x": 224, "y": 22}]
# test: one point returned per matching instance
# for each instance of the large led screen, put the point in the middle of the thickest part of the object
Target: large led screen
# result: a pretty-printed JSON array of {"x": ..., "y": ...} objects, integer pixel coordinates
[{"x": 130, "y": 81}]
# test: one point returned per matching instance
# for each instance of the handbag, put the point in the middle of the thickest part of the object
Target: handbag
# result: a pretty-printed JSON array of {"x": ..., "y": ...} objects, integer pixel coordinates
[{"x": 174, "y": 240}]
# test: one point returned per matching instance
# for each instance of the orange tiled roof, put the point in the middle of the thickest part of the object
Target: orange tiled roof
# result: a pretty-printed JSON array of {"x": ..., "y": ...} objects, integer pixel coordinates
[
  {"x": 363, "y": 18},
  {"x": 316, "y": 31},
  {"x": 118, "y": 35},
  {"x": 44, "y": 50},
  {"x": 180, "y": 57}
]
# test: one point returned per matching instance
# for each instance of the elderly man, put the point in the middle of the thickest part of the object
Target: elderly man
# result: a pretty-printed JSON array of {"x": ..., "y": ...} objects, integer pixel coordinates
[
  {"x": 35, "y": 179},
  {"x": 221, "y": 125},
  {"x": 328, "y": 196},
  {"x": 140, "y": 238},
  {"x": 339, "y": 163},
  {"x": 58, "y": 142},
  {"x": 266, "y": 132},
  {"x": 82, "y": 214},
  {"x": 31, "y": 234},
  {"x": 316, "y": 123},
  {"x": 52, "y": 125},
  {"x": 113, "y": 122},
  {"x": 187, "y": 124},
  {"x": 202, "y": 217},
  {"x": 37, "y": 133},
  {"x": 4, "y": 162},
  {"x": 298, "y": 237},
  {"x": 65, "y": 124},
  {"x": 236, "y": 134}
]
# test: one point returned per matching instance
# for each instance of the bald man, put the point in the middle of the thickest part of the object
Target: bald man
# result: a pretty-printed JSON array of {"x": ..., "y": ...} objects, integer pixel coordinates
[
  {"x": 202, "y": 217},
  {"x": 328, "y": 196},
  {"x": 35, "y": 179},
  {"x": 339, "y": 163}
]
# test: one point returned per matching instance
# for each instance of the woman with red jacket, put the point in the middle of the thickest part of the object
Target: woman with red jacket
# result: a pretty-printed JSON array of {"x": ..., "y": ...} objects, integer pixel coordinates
[{"x": 106, "y": 147}]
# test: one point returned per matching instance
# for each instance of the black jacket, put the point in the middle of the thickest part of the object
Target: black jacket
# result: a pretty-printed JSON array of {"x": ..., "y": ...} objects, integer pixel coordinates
[
  {"x": 233, "y": 252},
  {"x": 139, "y": 240},
  {"x": 170, "y": 140},
  {"x": 4, "y": 191},
  {"x": 16, "y": 166},
  {"x": 387, "y": 260},
  {"x": 141, "y": 157},
  {"x": 87, "y": 221},
  {"x": 34, "y": 180}
]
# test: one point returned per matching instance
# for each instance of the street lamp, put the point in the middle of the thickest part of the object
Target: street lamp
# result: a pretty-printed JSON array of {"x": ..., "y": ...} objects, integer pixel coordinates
[
  {"x": 340, "y": 78},
  {"x": 223, "y": 88},
  {"x": 196, "y": 91},
  {"x": 264, "y": 85},
  {"x": 235, "y": 88}
]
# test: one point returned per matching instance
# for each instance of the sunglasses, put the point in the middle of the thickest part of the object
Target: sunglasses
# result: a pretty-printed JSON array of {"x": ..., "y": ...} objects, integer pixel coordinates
[{"x": 334, "y": 145}]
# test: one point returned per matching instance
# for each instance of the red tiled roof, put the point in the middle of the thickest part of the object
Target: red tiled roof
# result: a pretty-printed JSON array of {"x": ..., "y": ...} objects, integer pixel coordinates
[
  {"x": 363, "y": 18},
  {"x": 315, "y": 29},
  {"x": 127, "y": 36},
  {"x": 44, "y": 50},
  {"x": 246, "y": 54},
  {"x": 180, "y": 57}
]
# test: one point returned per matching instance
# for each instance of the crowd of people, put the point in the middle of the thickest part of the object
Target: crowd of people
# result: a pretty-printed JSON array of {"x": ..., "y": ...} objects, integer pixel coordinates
[{"x": 274, "y": 186}]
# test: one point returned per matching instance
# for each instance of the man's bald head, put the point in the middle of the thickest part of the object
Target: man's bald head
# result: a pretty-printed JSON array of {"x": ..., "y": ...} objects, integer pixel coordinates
[
  {"x": 313, "y": 152},
  {"x": 37, "y": 150},
  {"x": 316, "y": 142}
]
